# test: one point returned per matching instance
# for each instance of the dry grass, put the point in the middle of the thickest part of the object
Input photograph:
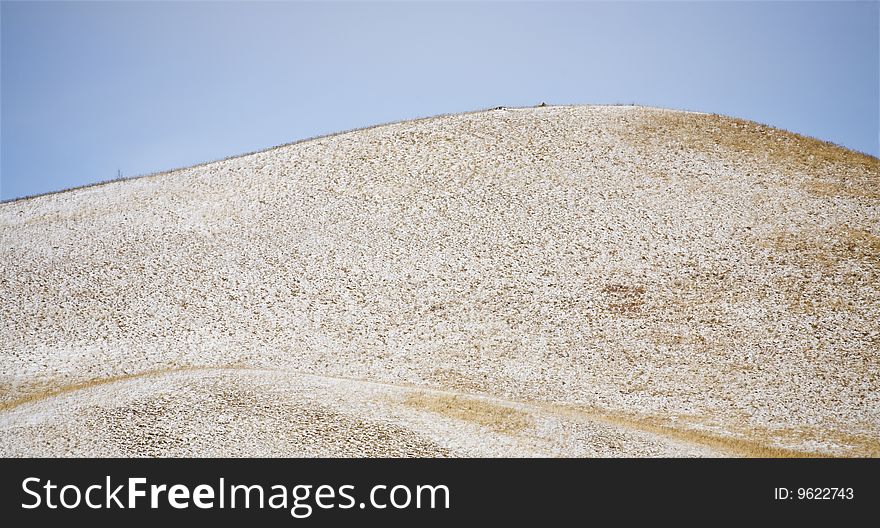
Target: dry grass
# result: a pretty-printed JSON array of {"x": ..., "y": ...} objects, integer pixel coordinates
[
  {"x": 855, "y": 445},
  {"x": 846, "y": 259},
  {"x": 626, "y": 299},
  {"x": 624, "y": 290},
  {"x": 829, "y": 246},
  {"x": 744, "y": 446},
  {"x": 833, "y": 170},
  {"x": 750, "y": 441},
  {"x": 458, "y": 380},
  {"x": 496, "y": 417},
  {"x": 36, "y": 392},
  {"x": 835, "y": 187}
]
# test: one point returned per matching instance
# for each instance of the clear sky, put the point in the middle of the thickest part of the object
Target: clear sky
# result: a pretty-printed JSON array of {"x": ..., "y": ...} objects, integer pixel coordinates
[{"x": 89, "y": 88}]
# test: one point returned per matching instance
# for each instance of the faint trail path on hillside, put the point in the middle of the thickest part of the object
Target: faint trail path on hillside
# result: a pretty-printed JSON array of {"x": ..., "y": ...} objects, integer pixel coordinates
[{"x": 719, "y": 446}]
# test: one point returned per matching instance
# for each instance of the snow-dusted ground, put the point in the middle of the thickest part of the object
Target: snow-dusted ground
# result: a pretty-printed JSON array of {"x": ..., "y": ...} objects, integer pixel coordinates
[{"x": 627, "y": 280}]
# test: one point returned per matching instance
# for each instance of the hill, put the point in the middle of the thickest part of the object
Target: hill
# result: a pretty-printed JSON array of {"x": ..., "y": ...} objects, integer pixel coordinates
[{"x": 592, "y": 280}]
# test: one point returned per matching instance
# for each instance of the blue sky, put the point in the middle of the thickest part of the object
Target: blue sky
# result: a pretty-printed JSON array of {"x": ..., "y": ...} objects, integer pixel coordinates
[{"x": 87, "y": 89}]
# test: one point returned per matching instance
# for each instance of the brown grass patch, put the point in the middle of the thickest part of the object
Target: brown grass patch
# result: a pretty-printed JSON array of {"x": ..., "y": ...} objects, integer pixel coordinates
[
  {"x": 829, "y": 246},
  {"x": 846, "y": 259},
  {"x": 625, "y": 308},
  {"x": 743, "y": 441},
  {"x": 624, "y": 290},
  {"x": 499, "y": 418},
  {"x": 837, "y": 188},
  {"x": 855, "y": 445},
  {"x": 742, "y": 446},
  {"x": 42, "y": 391},
  {"x": 626, "y": 299},
  {"x": 834, "y": 170},
  {"x": 458, "y": 380}
]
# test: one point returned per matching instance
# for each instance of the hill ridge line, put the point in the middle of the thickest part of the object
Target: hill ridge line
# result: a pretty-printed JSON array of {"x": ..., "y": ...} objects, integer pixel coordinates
[{"x": 325, "y": 136}]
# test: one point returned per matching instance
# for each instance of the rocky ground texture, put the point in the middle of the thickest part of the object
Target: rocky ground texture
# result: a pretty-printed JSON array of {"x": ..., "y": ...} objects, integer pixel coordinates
[{"x": 552, "y": 281}]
